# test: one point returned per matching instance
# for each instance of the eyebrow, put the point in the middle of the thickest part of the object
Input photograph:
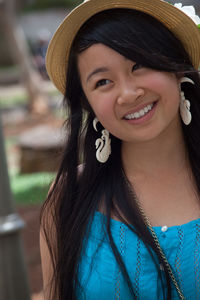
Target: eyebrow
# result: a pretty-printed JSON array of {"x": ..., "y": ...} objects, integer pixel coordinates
[{"x": 98, "y": 70}]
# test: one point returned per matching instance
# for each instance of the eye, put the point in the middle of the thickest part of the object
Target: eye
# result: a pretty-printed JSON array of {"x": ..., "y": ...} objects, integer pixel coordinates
[
  {"x": 102, "y": 82},
  {"x": 136, "y": 67}
]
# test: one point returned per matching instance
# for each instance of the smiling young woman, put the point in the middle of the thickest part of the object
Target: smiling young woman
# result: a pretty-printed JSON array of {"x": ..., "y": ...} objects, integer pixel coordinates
[
  {"x": 126, "y": 223},
  {"x": 117, "y": 89}
]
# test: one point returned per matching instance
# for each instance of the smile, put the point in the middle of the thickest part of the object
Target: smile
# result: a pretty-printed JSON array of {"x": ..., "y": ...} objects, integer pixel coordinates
[{"x": 140, "y": 113}]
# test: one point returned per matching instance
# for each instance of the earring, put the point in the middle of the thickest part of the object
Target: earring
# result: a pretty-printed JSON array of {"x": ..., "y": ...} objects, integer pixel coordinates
[
  {"x": 102, "y": 144},
  {"x": 185, "y": 104}
]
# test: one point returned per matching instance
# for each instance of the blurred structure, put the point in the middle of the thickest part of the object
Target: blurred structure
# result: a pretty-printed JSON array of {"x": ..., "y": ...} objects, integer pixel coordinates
[
  {"x": 18, "y": 48},
  {"x": 43, "y": 38},
  {"x": 41, "y": 149},
  {"x": 13, "y": 277}
]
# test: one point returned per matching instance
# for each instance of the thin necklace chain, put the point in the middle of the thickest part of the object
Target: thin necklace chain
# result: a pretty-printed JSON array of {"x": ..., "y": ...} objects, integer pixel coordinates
[{"x": 171, "y": 274}]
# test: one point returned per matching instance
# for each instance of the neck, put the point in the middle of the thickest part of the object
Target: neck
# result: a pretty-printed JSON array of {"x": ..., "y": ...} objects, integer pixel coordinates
[{"x": 165, "y": 153}]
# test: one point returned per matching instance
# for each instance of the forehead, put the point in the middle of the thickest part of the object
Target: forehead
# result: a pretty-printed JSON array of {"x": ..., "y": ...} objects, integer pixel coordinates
[
  {"x": 97, "y": 56},
  {"x": 98, "y": 51}
]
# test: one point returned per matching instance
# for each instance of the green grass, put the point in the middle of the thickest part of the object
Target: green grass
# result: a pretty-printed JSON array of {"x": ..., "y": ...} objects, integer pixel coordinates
[
  {"x": 10, "y": 142},
  {"x": 13, "y": 101},
  {"x": 30, "y": 189},
  {"x": 9, "y": 68}
]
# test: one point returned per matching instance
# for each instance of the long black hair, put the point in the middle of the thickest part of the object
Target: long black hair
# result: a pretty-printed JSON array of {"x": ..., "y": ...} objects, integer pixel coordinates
[{"x": 76, "y": 195}]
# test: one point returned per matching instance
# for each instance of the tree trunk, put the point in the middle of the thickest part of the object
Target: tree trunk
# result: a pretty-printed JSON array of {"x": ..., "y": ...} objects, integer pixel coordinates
[{"x": 20, "y": 53}]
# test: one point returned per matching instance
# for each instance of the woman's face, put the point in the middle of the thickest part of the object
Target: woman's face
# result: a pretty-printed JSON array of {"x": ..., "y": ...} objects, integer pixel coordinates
[{"x": 132, "y": 102}]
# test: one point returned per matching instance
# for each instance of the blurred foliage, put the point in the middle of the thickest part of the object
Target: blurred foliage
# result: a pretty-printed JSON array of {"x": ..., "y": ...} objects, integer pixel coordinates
[
  {"x": 13, "y": 101},
  {"x": 31, "y": 188},
  {"x": 44, "y": 4},
  {"x": 19, "y": 98}
]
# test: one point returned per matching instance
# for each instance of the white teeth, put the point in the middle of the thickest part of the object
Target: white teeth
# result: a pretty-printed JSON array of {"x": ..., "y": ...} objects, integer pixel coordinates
[
  {"x": 136, "y": 115},
  {"x": 140, "y": 113}
]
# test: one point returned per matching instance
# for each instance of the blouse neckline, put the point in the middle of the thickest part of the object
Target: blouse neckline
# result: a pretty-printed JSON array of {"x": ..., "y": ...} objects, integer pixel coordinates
[{"x": 184, "y": 226}]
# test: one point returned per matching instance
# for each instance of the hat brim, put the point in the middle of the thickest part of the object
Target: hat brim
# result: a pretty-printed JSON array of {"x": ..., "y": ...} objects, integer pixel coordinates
[{"x": 174, "y": 19}]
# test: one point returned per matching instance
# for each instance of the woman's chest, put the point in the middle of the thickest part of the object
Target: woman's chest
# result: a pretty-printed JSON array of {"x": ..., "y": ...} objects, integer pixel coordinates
[{"x": 101, "y": 277}]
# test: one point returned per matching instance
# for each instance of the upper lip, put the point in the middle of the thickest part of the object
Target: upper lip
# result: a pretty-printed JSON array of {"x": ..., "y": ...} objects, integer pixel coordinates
[{"x": 138, "y": 108}]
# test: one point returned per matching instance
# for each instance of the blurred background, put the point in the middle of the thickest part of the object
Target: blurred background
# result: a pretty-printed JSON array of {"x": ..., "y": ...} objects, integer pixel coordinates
[{"x": 31, "y": 114}]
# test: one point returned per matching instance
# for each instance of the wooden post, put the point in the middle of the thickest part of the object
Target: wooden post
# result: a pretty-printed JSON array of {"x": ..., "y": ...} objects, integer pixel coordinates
[{"x": 13, "y": 276}]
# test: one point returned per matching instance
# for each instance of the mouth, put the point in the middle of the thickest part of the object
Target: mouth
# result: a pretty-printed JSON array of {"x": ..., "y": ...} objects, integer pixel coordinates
[{"x": 140, "y": 113}]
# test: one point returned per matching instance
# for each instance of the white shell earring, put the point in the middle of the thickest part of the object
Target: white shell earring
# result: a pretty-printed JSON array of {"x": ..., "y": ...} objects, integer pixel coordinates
[
  {"x": 185, "y": 104},
  {"x": 102, "y": 144}
]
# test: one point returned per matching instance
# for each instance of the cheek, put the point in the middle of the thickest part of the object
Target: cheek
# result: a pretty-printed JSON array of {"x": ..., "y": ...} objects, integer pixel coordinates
[
  {"x": 173, "y": 97},
  {"x": 171, "y": 103},
  {"x": 102, "y": 107},
  {"x": 167, "y": 87},
  {"x": 105, "y": 113},
  {"x": 162, "y": 81}
]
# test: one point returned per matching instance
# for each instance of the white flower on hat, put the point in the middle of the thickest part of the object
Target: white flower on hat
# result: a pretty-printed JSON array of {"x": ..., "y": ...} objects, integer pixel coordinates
[{"x": 189, "y": 11}]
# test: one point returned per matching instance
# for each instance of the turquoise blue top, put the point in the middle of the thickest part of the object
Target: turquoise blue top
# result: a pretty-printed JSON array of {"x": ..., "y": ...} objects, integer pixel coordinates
[{"x": 101, "y": 278}]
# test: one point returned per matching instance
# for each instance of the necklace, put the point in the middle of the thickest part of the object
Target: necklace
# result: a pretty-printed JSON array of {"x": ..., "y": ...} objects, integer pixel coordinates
[
  {"x": 171, "y": 274},
  {"x": 149, "y": 226}
]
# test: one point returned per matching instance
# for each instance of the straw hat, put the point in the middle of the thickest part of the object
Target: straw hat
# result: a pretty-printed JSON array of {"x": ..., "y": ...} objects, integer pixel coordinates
[{"x": 174, "y": 19}]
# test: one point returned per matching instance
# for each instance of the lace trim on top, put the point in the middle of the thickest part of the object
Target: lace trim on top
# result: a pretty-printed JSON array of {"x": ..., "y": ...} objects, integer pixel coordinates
[
  {"x": 178, "y": 258},
  {"x": 121, "y": 243},
  {"x": 197, "y": 261},
  {"x": 138, "y": 269}
]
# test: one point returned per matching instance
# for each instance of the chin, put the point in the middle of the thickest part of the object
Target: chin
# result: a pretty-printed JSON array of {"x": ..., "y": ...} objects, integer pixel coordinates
[{"x": 145, "y": 136}]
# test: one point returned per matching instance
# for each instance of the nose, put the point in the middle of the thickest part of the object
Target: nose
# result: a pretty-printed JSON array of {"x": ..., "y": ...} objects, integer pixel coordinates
[{"x": 129, "y": 93}]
